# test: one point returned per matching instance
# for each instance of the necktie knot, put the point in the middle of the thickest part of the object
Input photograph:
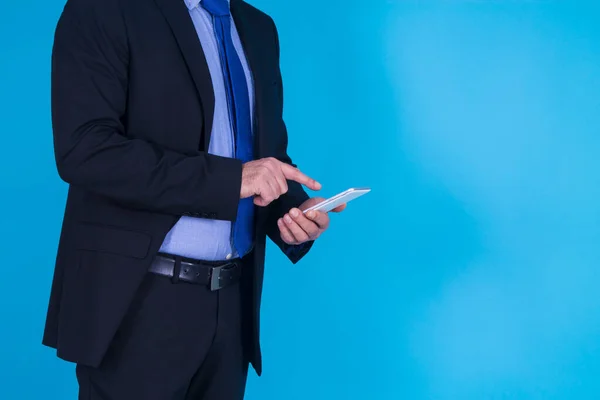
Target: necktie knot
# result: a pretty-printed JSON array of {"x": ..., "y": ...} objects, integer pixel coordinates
[{"x": 218, "y": 8}]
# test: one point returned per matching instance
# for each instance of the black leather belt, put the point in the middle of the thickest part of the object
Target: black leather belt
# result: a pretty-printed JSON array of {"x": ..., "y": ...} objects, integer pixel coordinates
[{"x": 215, "y": 275}]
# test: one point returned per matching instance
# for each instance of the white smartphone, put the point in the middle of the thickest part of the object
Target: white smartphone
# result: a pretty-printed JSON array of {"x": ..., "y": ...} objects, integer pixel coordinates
[{"x": 339, "y": 199}]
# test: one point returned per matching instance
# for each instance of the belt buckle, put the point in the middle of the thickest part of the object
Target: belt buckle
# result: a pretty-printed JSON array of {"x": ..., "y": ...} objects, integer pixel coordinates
[{"x": 216, "y": 282}]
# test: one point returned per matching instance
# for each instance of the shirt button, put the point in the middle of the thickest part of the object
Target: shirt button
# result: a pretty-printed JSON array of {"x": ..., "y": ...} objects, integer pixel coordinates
[{"x": 229, "y": 256}]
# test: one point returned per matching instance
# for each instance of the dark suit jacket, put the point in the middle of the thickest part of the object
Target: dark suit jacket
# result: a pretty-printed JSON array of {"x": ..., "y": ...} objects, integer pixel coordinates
[{"x": 132, "y": 109}]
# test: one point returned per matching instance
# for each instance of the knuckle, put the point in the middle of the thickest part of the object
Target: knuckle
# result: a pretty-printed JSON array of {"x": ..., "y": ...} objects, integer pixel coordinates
[
  {"x": 264, "y": 169},
  {"x": 266, "y": 196}
]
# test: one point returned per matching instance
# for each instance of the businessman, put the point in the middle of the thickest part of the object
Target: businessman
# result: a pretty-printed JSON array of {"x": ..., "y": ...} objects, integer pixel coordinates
[{"x": 167, "y": 119}]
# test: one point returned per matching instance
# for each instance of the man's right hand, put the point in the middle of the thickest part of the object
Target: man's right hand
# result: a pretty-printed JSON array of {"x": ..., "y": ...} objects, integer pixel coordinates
[{"x": 266, "y": 180}]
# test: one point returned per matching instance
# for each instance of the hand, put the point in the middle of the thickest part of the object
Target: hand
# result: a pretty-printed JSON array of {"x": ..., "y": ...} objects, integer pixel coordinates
[
  {"x": 266, "y": 180},
  {"x": 297, "y": 228}
]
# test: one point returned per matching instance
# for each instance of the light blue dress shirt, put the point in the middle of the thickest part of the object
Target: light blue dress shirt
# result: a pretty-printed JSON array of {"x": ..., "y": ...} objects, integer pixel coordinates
[{"x": 197, "y": 238}]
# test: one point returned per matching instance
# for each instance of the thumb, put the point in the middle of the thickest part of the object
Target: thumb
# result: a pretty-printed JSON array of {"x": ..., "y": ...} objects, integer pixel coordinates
[{"x": 259, "y": 201}]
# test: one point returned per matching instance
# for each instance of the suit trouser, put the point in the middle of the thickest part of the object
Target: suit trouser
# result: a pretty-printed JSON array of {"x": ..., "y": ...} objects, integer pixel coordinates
[{"x": 179, "y": 341}]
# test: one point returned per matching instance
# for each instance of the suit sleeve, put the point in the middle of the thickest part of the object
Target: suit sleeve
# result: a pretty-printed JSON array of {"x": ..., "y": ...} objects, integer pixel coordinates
[
  {"x": 296, "y": 194},
  {"x": 90, "y": 61}
]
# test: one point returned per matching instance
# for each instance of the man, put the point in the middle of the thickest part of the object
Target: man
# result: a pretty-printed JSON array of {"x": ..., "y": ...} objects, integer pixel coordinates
[{"x": 167, "y": 118}]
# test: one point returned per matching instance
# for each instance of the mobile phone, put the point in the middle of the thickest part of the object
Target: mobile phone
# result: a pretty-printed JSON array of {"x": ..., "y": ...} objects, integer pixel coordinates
[{"x": 339, "y": 199}]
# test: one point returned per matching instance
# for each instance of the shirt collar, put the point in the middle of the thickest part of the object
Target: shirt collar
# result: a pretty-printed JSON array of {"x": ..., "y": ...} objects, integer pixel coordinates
[{"x": 191, "y": 4}]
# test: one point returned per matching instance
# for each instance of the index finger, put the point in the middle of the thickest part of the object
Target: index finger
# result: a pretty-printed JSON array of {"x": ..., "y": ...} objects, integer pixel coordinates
[{"x": 294, "y": 174}]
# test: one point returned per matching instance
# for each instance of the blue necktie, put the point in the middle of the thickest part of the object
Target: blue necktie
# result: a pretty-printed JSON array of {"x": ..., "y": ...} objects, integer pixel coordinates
[{"x": 238, "y": 101}]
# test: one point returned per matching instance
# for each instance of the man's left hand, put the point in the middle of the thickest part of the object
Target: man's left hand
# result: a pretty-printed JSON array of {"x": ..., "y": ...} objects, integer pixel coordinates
[{"x": 297, "y": 228}]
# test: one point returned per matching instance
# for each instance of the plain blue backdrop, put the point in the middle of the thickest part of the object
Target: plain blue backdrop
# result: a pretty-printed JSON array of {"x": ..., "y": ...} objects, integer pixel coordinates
[{"x": 472, "y": 270}]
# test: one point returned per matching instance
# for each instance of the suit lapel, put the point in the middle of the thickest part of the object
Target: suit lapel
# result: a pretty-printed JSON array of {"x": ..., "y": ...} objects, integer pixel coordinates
[
  {"x": 245, "y": 31},
  {"x": 178, "y": 17}
]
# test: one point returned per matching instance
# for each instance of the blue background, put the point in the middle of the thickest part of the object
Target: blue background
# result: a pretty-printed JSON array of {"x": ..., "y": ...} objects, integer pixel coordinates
[{"x": 470, "y": 272}]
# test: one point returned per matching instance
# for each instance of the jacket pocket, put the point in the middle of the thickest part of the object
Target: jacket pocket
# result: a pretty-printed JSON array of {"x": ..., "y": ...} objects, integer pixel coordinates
[{"x": 113, "y": 240}]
